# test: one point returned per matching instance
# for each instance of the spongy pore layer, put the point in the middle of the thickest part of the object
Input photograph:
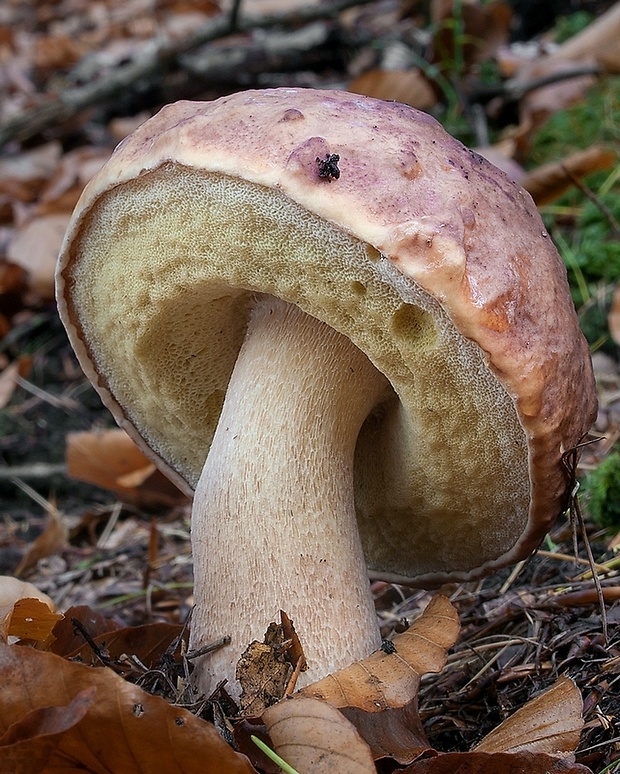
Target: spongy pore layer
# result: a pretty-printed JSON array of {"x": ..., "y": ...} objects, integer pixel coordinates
[{"x": 441, "y": 469}]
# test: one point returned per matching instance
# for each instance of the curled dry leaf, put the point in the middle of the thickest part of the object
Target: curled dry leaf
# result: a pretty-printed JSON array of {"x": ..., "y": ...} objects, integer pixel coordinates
[
  {"x": 13, "y": 589},
  {"x": 550, "y": 181},
  {"x": 315, "y": 738},
  {"x": 550, "y": 723},
  {"x": 391, "y": 680},
  {"x": 68, "y": 634},
  {"x": 35, "y": 248},
  {"x": 596, "y": 45},
  {"x": 111, "y": 460},
  {"x": 540, "y": 738},
  {"x": 148, "y": 643},
  {"x": 32, "y": 619},
  {"x": 29, "y": 743},
  {"x": 395, "y": 734},
  {"x": 409, "y": 86},
  {"x": 8, "y": 377},
  {"x": 494, "y": 763},
  {"x": 52, "y": 539},
  {"x": 148, "y": 733},
  {"x": 597, "y": 42},
  {"x": 25, "y": 611}
]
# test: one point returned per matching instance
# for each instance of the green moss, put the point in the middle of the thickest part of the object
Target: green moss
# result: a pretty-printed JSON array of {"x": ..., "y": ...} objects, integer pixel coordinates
[
  {"x": 583, "y": 228},
  {"x": 602, "y": 492},
  {"x": 567, "y": 26}
]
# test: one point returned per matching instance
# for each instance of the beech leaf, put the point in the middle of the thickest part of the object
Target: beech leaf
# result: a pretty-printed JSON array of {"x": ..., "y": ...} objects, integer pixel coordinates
[
  {"x": 550, "y": 723},
  {"x": 313, "y": 736},
  {"x": 391, "y": 680},
  {"x": 494, "y": 763},
  {"x": 110, "y": 459},
  {"x": 124, "y": 728}
]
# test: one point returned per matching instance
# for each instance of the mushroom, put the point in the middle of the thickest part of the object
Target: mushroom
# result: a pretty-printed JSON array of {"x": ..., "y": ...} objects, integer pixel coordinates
[{"x": 348, "y": 333}]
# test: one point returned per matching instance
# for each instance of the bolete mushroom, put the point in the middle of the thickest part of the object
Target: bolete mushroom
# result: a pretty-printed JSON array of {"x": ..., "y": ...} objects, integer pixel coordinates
[{"x": 348, "y": 333}]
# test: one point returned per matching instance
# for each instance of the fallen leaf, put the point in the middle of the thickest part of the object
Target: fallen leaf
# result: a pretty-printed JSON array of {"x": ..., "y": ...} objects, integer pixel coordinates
[
  {"x": 111, "y": 460},
  {"x": 123, "y": 729},
  {"x": 69, "y": 637},
  {"x": 494, "y": 763},
  {"x": 408, "y": 86},
  {"x": 396, "y": 734},
  {"x": 32, "y": 619},
  {"x": 550, "y": 723},
  {"x": 313, "y": 736},
  {"x": 25, "y": 611},
  {"x": 52, "y": 539},
  {"x": 391, "y": 680},
  {"x": 35, "y": 248},
  {"x": 265, "y": 668},
  {"x": 550, "y": 181},
  {"x": 13, "y": 589},
  {"x": 597, "y": 42},
  {"x": 29, "y": 743},
  {"x": 8, "y": 377},
  {"x": 148, "y": 643}
]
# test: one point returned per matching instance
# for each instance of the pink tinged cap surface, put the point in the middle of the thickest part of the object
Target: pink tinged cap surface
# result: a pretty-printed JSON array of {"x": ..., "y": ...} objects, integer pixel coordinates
[{"x": 425, "y": 255}]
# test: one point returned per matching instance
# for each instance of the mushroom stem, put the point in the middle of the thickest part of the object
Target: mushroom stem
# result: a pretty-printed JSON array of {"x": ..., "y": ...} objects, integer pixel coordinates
[{"x": 273, "y": 523}]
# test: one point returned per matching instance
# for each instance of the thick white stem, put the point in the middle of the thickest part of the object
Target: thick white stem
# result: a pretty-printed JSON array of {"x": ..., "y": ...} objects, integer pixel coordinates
[{"x": 273, "y": 523}]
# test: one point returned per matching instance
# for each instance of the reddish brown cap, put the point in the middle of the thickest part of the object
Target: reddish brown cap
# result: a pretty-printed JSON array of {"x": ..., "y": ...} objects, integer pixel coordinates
[{"x": 368, "y": 216}]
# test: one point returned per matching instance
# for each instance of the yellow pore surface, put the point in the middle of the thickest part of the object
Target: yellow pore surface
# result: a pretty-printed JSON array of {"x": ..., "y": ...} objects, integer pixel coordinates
[{"x": 164, "y": 273}]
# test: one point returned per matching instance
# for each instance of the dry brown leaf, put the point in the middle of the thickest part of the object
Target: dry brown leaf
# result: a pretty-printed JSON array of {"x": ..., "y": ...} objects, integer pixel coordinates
[
  {"x": 8, "y": 377},
  {"x": 111, "y": 460},
  {"x": 12, "y": 278},
  {"x": 75, "y": 169},
  {"x": 494, "y": 763},
  {"x": 121, "y": 729},
  {"x": 396, "y": 734},
  {"x": 12, "y": 589},
  {"x": 32, "y": 619},
  {"x": 550, "y": 181},
  {"x": 315, "y": 738},
  {"x": 69, "y": 637},
  {"x": 35, "y": 248},
  {"x": 391, "y": 680},
  {"x": 32, "y": 166},
  {"x": 550, "y": 723},
  {"x": 29, "y": 743},
  {"x": 537, "y": 105},
  {"x": 148, "y": 643},
  {"x": 24, "y": 610},
  {"x": 597, "y": 42},
  {"x": 52, "y": 539},
  {"x": 408, "y": 86},
  {"x": 540, "y": 738},
  {"x": 57, "y": 52},
  {"x": 614, "y": 316}
]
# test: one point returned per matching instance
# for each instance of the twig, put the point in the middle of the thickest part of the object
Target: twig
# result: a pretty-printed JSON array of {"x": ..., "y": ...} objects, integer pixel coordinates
[
  {"x": 569, "y": 460},
  {"x": 514, "y": 89},
  {"x": 162, "y": 56},
  {"x": 34, "y": 470},
  {"x": 234, "y": 15},
  {"x": 208, "y": 648}
]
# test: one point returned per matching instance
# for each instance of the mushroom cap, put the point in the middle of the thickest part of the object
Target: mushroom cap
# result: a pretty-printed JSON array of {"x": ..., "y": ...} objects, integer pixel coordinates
[{"x": 425, "y": 255}]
